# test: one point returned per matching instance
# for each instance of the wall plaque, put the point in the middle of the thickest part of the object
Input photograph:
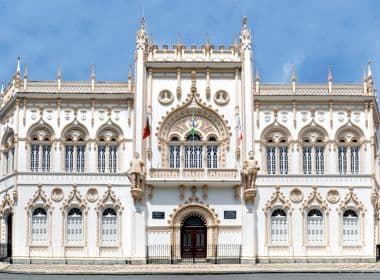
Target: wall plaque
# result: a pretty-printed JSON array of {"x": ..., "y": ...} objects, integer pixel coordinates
[
  {"x": 158, "y": 215},
  {"x": 230, "y": 215}
]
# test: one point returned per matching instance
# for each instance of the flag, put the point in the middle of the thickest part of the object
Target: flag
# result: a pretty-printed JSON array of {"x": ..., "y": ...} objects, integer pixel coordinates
[
  {"x": 146, "y": 132},
  {"x": 193, "y": 125},
  {"x": 240, "y": 132}
]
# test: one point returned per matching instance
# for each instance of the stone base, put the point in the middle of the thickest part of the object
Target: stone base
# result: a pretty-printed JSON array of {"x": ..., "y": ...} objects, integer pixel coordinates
[
  {"x": 281, "y": 260},
  {"x": 247, "y": 260}
]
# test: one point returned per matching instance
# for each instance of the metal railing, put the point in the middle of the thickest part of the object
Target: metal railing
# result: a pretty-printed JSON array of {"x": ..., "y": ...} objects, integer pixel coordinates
[
  {"x": 211, "y": 253},
  {"x": 3, "y": 251}
]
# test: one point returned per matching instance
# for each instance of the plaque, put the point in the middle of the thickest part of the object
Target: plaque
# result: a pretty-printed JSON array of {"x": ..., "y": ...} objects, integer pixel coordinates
[
  {"x": 230, "y": 215},
  {"x": 158, "y": 215}
]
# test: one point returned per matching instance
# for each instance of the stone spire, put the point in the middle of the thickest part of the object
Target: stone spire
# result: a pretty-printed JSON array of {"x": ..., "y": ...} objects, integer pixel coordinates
[
  {"x": 130, "y": 78},
  {"x": 93, "y": 76},
  {"x": 59, "y": 77},
  {"x": 141, "y": 37},
  {"x": 2, "y": 88},
  {"x": 294, "y": 79},
  {"x": 245, "y": 35},
  {"x": 370, "y": 87},
  {"x": 330, "y": 79},
  {"x": 257, "y": 81},
  {"x": 18, "y": 68},
  {"x": 25, "y": 76}
]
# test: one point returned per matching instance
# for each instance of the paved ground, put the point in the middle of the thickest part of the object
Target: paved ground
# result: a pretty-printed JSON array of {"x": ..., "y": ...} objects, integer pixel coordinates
[
  {"x": 255, "y": 276},
  {"x": 190, "y": 268}
]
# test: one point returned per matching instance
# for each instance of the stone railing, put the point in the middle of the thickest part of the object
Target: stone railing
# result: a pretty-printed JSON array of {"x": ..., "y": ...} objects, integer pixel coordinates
[
  {"x": 311, "y": 89},
  {"x": 193, "y": 173}
]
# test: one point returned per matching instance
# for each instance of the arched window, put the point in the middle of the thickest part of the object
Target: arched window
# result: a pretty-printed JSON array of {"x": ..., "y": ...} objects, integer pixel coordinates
[
  {"x": 348, "y": 152},
  {"x": 315, "y": 225},
  {"x": 351, "y": 228},
  {"x": 107, "y": 140},
  {"x": 75, "y": 149},
  {"x": 74, "y": 226},
  {"x": 277, "y": 152},
  {"x": 313, "y": 151},
  {"x": 212, "y": 152},
  {"x": 174, "y": 152},
  {"x": 279, "y": 226},
  {"x": 193, "y": 151},
  {"x": 39, "y": 226},
  {"x": 109, "y": 226},
  {"x": 40, "y": 149}
]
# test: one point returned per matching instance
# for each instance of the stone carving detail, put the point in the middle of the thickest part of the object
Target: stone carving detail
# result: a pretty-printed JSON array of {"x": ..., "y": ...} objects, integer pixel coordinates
[
  {"x": 304, "y": 116},
  {"x": 83, "y": 115},
  {"x": 314, "y": 199},
  {"x": 181, "y": 192},
  {"x": 39, "y": 199},
  {"x": 296, "y": 195},
  {"x": 92, "y": 195},
  {"x": 221, "y": 97},
  {"x": 351, "y": 200},
  {"x": 165, "y": 97},
  {"x": 277, "y": 200},
  {"x": 102, "y": 115},
  {"x": 49, "y": 115},
  {"x": 57, "y": 194},
  {"x": 333, "y": 196},
  {"x": 67, "y": 115},
  {"x": 136, "y": 176},
  {"x": 237, "y": 192},
  {"x": 284, "y": 116},
  {"x": 6, "y": 204},
  {"x": 341, "y": 116},
  {"x": 267, "y": 116},
  {"x": 248, "y": 176},
  {"x": 321, "y": 116}
]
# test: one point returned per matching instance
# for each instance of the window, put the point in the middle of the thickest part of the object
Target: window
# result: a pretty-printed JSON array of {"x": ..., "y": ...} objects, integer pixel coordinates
[
  {"x": 75, "y": 149},
  {"x": 319, "y": 161},
  {"x": 74, "y": 226},
  {"x": 34, "y": 157},
  {"x": 193, "y": 152},
  {"x": 350, "y": 227},
  {"x": 342, "y": 160},
  {"x": 108, "y": 145},
  {"x": 69, "y": 158},
  {"x": 39, "y": 226},
  {"x": 271, "y": 160},
  {"x": 46, "y": 158},
  {"x": 212, "y": 153},
  {"x": 102, "y": 159},
  {"x": 279, "y": 226},
  {"x": 306, "y": 156},
  {"x": 80, "y": 158},
  {"x": 355, "y": 160},
  {"x": 283, "y": 160},
  {"x": 40, "y": 150},
  {"x": 174, "y": 156},
  {"x": 113, "y": 158},
  {"x": 315, "y": 232},
  {"x": 109, "y": 226}
]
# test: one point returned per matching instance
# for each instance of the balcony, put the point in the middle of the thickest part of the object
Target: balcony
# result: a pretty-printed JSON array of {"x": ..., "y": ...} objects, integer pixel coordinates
[{"x": 194, "y": 174}]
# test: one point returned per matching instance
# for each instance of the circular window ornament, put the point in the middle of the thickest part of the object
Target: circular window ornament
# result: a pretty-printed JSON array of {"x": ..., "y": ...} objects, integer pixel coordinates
[
  {"x": 333, "y": 196},
  {"x": 165, "y": 97},
  {"x": 296, "y": 195},
  {"x": 92, "y": 195},
  {"x": 221, "y": 97},
  {"x": 57, "y": 194}
]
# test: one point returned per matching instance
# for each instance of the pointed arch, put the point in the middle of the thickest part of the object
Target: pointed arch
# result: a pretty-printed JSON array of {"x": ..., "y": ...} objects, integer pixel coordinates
[
  {"x": 349, "y": 132},
  {"x": 76, "y": 130},
  {"x": 352, "y": 201},
  {"x": 313, "y": 132},
  {"x": 109, "y": 130},
  {"x": 314, "y": 200},
  {"x": 40, "y": 131},
  {"x": 275, "y": 132},
  {"x": 8, "y": 138},
  {"x": 277, "y": 200},
  {"x": 7, "y": 205}
]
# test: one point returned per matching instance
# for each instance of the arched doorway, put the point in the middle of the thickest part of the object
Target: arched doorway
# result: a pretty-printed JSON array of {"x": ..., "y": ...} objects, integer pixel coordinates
[
  {"x": 9, "y": 223},
  {"x": 193, "y": 238}
]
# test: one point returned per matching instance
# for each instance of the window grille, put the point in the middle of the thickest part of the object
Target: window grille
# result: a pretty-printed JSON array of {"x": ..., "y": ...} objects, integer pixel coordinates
[
  {"x": 319, "y": 160},
  {"x": 279, "y": 226},
  {"x": 174, "y": 156},
  {"x": 306, "y": 155},
  {"x": 315, "y": 226},
  {"x": 283, "y": 160},
  {"x": 6, "y": 155},
  {"x": 102, "y": 159},
  {"x": 74, "y": 226},
  {"x": 271, "y": 160},
  {"x": 212, "y": 156},
  {"x": 80, "y": 158},
  {"x": 109, "y": 226},
  {"x": 355, "y": 160},
  {"x": 39, "y": 226},
  {"x": 342, "y": 160},
  {"x": 34, "y": 157},
  {"x": 113, "y": 158},
  {"x": 193, "y": 156},
  {"x": 350, "y": 227},
  {"x": 69, "y": 158},
  {"x": 46, "y": 158}
]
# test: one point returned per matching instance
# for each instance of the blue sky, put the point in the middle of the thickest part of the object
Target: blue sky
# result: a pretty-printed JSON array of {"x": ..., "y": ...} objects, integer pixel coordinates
[{"x": 76, "y": 33}]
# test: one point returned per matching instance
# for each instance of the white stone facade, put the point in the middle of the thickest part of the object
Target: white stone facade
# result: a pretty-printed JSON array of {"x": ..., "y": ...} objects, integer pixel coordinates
[{"x": 66, "y": 151}]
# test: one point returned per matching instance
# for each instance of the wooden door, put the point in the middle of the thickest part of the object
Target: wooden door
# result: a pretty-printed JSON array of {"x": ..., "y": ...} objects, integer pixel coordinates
[{"x": 194, "y": 238}]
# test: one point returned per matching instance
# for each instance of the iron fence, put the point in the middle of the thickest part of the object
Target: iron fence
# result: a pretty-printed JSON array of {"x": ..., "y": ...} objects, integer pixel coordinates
[
  {"x": 172, "y": 254},
  {"x": 3, "y": 251}
]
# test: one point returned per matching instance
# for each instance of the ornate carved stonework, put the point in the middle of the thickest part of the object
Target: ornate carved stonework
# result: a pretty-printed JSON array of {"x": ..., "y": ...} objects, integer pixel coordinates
[
  {"x": 296, "y": 195},
  {"x": 333, "y": 196},
  {"x": 249, "y": 175},
  {"x": 57, "y": 194},
  {"x": 92, "y": 195},
  {"x": 136, "y": 176}
]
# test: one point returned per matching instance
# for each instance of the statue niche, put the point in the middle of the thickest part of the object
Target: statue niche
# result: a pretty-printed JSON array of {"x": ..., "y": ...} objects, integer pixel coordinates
[
  {"x": 136, "y": 176},
  {"x": 248, "y": 176}
]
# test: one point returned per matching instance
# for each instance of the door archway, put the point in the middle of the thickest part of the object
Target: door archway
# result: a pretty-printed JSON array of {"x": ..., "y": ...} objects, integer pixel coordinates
[
  {"x": 9, "y": 226},
  {"x": 193, "y": 238}
]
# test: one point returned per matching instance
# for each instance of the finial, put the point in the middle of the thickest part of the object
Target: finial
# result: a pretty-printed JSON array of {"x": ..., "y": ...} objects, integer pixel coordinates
[
  {"x": 130, "y": 71},
  {"x": 294, "y": 77},
  {"x": 92, "y": 71},
  {"x": 364, "y": 74},
  {"x": 2, "y": 88},
  {"x": 25, "y": 71},
  {"x": 59, "y": 72},
  {"x": 257, "y": 75},
  {"x": 244, "y": 22},
  {"x": 142, "y": 23},
  {"x": 18, "y": 69},
  {"x": 329, "y": 77},
  {"x": 207, "y": 39},
  {"x": 369, "y": 73},
  {"x": 179, "y": 39}
]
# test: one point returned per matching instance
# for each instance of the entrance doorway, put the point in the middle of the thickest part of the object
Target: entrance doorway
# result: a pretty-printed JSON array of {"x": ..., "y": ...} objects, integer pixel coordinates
[
  {"x": 9, "y": 235},
  {"x": 193, "y": 238}
]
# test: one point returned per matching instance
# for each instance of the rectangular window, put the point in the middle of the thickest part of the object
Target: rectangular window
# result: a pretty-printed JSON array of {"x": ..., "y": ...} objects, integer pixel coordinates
[
  {"x": 174, "y": 156},
  {"x": 46, "y": 158},
  {"x": 342, "y": 160},
  {"x": 212, "y": 156},
  {"x": 193, "y": 156},
  {"x": 101, "y": 159},
  {"x": 69, "y": 158},
  {"x": 283, "y": 160},
  {"x": 6, "y": 155},
  {"x": 80, "y": 158},
  {"x": 113, "y": 158},
  {"x": 306, "y": 156},
  {"x": 354, "y": 160},
  {"x": 279, "y": 229},
  {"x": 271, "y": 160},
  {"x": 34, "y": 157},
  {"x": 319, "y": 160}
]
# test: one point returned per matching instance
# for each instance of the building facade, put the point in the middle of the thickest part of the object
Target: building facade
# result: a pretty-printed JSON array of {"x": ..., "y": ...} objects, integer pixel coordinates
[{"x": 228, "y": 166}]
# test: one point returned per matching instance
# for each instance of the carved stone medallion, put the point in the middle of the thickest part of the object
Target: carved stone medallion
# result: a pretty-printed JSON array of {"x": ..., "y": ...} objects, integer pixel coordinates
[
  {"x": 57, "y": 194},
  {"x": 333, "y": 196},
  {"x": 296, "y": 195},
  {"x": 165, "y": 97},
  {"x": 92, "y": 195}
]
